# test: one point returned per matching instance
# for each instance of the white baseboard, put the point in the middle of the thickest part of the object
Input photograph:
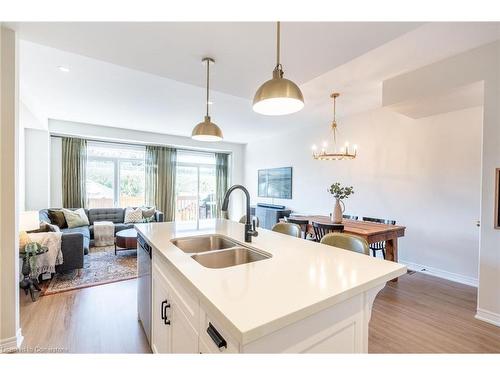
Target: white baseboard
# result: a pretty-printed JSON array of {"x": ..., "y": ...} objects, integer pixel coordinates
[
  {"x": 11, "y": 344},
  {"x": 441, "y": 273},
  {"x": 488, "y": 316}
]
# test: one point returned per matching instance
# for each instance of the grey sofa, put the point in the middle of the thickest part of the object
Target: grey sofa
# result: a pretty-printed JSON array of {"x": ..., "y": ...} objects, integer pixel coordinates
[{"x": 76, "y": 241}]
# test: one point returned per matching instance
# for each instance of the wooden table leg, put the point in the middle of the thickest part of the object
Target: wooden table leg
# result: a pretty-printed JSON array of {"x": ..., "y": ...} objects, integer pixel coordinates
[{"x": 391, "y": 251}]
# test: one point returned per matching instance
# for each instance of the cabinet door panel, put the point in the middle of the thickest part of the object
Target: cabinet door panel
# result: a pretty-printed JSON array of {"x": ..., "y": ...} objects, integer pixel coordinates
[
  {"x": 184, "y": 337},
  {"x": 161, "y": 332}
]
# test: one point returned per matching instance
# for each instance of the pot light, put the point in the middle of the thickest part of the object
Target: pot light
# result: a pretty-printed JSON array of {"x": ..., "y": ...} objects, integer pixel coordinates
[{"x": 63, "y": 69}]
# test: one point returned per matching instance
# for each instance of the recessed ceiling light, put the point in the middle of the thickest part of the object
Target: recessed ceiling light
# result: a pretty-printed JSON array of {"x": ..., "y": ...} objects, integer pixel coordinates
[{"x": 63, "y": 69}]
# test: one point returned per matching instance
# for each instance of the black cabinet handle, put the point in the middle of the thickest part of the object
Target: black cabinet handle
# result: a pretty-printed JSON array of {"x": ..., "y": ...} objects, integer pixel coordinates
[
  {"x": 216, "y": 336},
  {"x": 164, "y": 306}
]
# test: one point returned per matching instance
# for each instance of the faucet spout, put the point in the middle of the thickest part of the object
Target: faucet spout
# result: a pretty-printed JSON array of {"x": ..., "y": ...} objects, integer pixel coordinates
[{"x": 249, "y": 229}]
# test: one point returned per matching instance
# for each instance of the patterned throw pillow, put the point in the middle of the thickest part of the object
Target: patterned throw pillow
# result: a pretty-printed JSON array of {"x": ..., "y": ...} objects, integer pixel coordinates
[
  {"x": 148, "y": 214},
  {"x": 76, "y": 218},
  {"x": 133, "y": 215}
]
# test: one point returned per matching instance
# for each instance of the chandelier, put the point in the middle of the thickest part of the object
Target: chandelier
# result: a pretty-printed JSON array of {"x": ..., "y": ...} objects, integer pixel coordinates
[{"x": 344, "y": 152}]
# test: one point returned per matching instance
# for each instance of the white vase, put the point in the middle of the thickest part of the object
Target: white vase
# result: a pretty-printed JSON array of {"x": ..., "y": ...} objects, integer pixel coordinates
[{"x": 338, "y": 211}]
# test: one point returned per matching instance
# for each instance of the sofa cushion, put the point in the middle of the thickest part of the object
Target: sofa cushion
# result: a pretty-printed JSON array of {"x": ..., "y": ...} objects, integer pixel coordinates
[
  {"x": 44, "y": 216},
  {"x": 106, "y": 214},
  {"x": 83, "y": 230}
]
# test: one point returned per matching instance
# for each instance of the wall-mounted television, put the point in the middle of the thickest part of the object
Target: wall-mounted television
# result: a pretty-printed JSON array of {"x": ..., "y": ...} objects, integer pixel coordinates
[{"x": 275, "y": 183}]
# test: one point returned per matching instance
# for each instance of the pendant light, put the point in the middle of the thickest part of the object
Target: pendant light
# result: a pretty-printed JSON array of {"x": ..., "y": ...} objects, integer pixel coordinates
[
  {"x": 206, "y": 130},
  {"x": 344, "y": 152},
  {"x": 278, "y": 96}
]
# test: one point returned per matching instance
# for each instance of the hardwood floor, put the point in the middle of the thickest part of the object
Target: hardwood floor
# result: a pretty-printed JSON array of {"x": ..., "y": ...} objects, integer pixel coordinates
[
  {"x": 100, "y": 319},
  {"x": 418, "y": 314},
  {"x": 426, "y": 314}
]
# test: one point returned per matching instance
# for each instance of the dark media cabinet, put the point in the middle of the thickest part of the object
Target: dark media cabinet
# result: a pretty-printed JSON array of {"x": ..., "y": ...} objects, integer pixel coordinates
[{"x": 269, "y": 214}]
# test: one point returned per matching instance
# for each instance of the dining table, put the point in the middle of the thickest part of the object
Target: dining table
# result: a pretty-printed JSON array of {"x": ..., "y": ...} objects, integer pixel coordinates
[{"x": 372, "y": 232}]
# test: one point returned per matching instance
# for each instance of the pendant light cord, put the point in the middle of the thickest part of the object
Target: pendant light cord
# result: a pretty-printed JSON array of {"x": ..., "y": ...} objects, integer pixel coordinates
[
  {"x": 208, "y": 83},
  {"x": 278, "y": 44},
  {"x": 334, "y": 121}
]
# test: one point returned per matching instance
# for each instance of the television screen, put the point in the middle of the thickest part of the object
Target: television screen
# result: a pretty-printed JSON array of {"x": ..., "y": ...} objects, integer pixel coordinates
[{"x": 275, "y": 183}]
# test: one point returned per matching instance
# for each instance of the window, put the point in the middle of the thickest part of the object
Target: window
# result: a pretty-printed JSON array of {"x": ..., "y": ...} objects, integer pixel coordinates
[
  {"x": 195, "y": 186},
  {"x": 115, "y": 175}
]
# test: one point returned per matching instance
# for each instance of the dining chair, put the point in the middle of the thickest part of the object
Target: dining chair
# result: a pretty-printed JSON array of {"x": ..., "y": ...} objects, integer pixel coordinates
[
  {"x": 243, "y": 220},
  {"x": 321, "y": 229},
  {"x": 347, "y": 242},
  {"x": 302, "y": 223},
  {"x": 378, "y": 246},
  {"x": 288, "y": 228},
  {"x": 350, "y": 217}
]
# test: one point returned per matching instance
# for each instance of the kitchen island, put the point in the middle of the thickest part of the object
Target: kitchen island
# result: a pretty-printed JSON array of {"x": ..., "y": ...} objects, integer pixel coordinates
[{"x": 292, "y": 296}]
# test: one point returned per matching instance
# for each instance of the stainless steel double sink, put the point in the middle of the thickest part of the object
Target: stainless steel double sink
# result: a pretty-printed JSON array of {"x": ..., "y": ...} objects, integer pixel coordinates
[{"x": 218, "y": 251}]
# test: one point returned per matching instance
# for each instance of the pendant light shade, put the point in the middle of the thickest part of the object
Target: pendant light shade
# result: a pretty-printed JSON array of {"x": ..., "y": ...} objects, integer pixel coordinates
[
  {"x": 278, "y": 96},
  {"x": 207, "y": 130}
]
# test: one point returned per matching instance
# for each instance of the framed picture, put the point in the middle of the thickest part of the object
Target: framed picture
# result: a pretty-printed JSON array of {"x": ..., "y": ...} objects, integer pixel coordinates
[
  {"x": 497, "y": 198},
  {"x": 275, "y": 183}
]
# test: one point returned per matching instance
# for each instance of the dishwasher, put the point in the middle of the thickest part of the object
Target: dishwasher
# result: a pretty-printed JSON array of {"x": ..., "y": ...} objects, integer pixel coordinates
[{"x": 144, "y": 285}]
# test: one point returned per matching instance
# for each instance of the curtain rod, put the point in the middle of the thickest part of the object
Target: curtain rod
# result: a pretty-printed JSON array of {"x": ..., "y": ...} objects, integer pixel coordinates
[{"x": 183, "y": 148}]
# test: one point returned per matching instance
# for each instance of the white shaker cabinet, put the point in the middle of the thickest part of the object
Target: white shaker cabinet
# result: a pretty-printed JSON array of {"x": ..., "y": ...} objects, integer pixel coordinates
[{"x": 161, "y": 325}]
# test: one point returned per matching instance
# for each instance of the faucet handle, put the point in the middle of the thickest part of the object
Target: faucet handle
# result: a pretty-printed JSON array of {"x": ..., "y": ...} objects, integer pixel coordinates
[{"x": 254, "y": 231}]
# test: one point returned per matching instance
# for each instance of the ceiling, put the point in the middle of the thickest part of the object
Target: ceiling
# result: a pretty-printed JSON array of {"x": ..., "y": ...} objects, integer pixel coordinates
[
  {"x": 148, "y": 76},
  {"x": 244, "y": 51}
]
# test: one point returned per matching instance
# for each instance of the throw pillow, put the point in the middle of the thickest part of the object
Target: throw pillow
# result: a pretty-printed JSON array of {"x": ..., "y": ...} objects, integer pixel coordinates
[
  {"x": 148, "y": 214},
  {"x": 133, "y": 215},
  {"x": 76, "y": 218},
  {"x": 57, "y": 217}
]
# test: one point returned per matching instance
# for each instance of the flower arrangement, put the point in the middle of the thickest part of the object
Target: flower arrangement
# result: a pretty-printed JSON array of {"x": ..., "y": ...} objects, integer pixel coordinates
[{"x": 339, "y": 191}]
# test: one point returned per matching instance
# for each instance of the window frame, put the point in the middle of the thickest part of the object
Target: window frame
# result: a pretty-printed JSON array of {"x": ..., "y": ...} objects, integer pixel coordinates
[
  {"x": 197, "y": 166},
  {"x": 116, "y": 168}
]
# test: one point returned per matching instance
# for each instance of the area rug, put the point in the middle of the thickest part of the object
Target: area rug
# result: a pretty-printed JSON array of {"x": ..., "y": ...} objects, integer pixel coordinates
[{"x": 101, "y": 266}]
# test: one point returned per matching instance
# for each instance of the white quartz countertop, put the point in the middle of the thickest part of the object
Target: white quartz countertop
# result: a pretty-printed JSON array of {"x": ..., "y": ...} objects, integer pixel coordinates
[{"x": 255, "y": 299}]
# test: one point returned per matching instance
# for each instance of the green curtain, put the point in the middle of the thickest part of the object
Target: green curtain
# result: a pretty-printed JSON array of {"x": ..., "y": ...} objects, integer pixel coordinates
[
  {"x": 160, "y": 179},
  {"x": 221, "y": 180},
  {"x": 74, "y": 167}
]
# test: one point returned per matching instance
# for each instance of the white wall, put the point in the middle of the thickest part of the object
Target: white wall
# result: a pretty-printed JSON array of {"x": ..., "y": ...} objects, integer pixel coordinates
[
  {"x": 125, "y": 135},
  {"x": 37, "y": 169},
  {"x": 423, "y": 173},
  {"x": 479, "y": 64}
]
